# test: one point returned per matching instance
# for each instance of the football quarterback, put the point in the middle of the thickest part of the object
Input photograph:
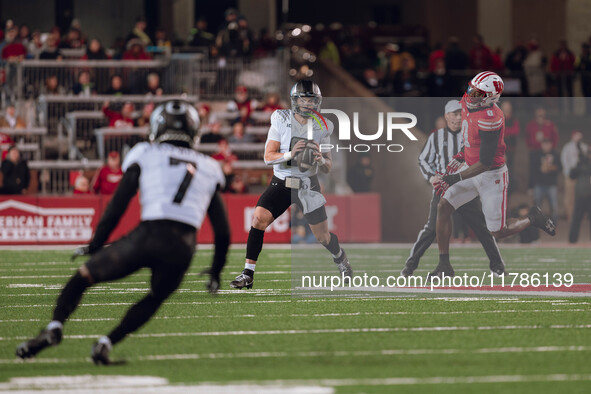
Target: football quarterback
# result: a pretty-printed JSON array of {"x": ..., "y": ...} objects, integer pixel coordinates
[{"x": 296, "y": 161}]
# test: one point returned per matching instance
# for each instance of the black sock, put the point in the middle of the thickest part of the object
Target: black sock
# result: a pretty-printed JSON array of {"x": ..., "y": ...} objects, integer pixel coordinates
[
  {"x": 444, "y": 258},
  {"x": 333, "y": 245},
  {"x": 254, "y": 245},
  {"x": 248, "y": 272},
  {"x": 135, "y": 317},
  {"x": 70, "y": 297}
]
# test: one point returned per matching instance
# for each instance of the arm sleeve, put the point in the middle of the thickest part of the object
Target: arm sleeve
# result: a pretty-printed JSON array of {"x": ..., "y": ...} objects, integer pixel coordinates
[
  {"x": 489, "y": 141},
  {"x": 125, "y": 191},
  {"x": 221, "y": 229},
  {"x": 426, "y": 158}
]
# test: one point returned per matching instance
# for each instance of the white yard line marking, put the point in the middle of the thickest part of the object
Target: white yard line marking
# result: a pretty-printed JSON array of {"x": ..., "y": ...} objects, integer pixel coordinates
[
  {"x": 353, "y": 353},
  {"x": 327, "y": 331},
  {"x": 352, "y": 314}
]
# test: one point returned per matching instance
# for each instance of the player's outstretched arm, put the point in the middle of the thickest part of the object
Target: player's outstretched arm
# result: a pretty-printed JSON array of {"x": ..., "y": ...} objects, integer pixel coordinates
[
  {"x": 116, "y": 208},
  {"x": 273, "y": 156},
  {"x": 221, "y": 229}
]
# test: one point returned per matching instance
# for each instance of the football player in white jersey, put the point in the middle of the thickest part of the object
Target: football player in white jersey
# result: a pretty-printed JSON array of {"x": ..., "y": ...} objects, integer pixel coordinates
[
  {"x": 178, "y": 186},
  {"x": 296, "y": 161}
]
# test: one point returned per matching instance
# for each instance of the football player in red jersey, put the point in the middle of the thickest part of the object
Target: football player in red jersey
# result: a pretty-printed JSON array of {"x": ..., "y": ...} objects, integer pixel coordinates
[{"x": 482, "y": 171}]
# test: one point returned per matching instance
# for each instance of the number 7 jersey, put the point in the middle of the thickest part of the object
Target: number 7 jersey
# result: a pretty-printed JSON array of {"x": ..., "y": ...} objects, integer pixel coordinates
[
  {"x": 175, "y": 183},
  {"x": 486, "y": 120}
]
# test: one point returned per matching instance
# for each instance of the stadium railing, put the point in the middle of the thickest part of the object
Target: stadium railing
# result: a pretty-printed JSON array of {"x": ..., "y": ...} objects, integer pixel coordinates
[
  {"x": 54, "y": 176},
  {"x": 29, "y": 141}
]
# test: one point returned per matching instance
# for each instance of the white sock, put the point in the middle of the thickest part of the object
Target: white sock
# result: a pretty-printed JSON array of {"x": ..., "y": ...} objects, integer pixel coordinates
[
  {"x": 248, "y": 266},
  {"x": 339, "y": 254},
  {"x": 105, "y": 341},
  {"x": 54, "y": 324}
]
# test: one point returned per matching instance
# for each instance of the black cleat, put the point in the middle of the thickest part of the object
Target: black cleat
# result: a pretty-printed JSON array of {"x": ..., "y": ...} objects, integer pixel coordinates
[
  {"x": 100, "y": 353},
  {"x": 344, "y": 266},
  {"x": 407, "y": 271},
  {"x": 441, "y": 270},
  {"x": 33, "y": 346},
  {"x": 498, "y": 271},
  {"x": 243, "y": 280},
  {"x": 537, "y": 219}
]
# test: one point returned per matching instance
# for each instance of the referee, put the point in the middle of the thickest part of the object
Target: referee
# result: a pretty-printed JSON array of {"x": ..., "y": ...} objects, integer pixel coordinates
[{"x": 439, "y": 150}]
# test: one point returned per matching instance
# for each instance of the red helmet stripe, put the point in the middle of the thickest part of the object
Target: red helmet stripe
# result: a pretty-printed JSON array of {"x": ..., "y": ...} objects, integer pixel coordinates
[{"x": 483, "y": 75}]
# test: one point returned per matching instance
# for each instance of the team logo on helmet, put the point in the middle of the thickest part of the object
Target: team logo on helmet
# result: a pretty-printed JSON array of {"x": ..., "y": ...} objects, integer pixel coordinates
[{"x": 484, "y": 90}]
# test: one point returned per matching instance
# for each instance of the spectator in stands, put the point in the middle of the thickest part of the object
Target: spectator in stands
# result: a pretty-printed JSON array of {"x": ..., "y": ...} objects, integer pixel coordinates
[
  {"x": 267, "y": 44},
  {"x": 81, "y": 185},
  {"x": 399, "y": 58},
  {"x": 571, "y": 152},
  {"x": 246, "y": 36},
  {"x": 108, "y": 177},
  {"x": 119, "y": 119},
  {"x": 406, "y": 82},
  {"x": 514, "y": 64},
  {"x": 13, "y": 50},
  {"x": 242, "y": 105},
  {"x": 562, "y": 66},
  {"x": 583, "y": 66},
  {"x": 205, "y": 116},
  {"x": 24, "y": 34},
  {"x": 52, "y": 86},
  {"x": 239, "y": 136},
  {"x": 480, "y": 54},
  {"x": 361, "y": 174},
  {"x": 456, "y": 60},
  {"x": 329, "y": 51},
  {"x": 153, "y": 86},
  {"x": 438, "y": 82},
  {"x": 11, "y": 119},
  {"x": 7, "y": 27},
  {"x": 582, "y": 174},
  {"x": 161, "y": 40},
  {"x": 15, "y": 173},
  {"x": 116, "y": 87},
  {"x": 229, "y": 43},
  {"x": 271, "y": 103},
  {"x": 50, "y": 51},
  {"x": 224, "y": 152},
  {"x": 139, "y": 33},
  {"x": 534, "y": 66},
  {"x": 199, "y": 36},
  {"x": 5, "y": 143},
  {"x": 214, "y": 136},
  {"x": 35, "y": 46},
  {"x": 230, "y": 16},
  {"x": 72, "y": 40},
  {"x": 237, "y": 185},
  {"x": 84, "y": 86},
  {"x": 539, "y": 129},
  {"x": 543, "y": 175},
  {"x": 435, "y": 56},
  {"x": 135, "y": 51},
  {"x": 95, "y": 51},
  {"x": 497, "y": 60},
  {"x": 144, "y": 119},
  {"x": 512, "y": 130}
]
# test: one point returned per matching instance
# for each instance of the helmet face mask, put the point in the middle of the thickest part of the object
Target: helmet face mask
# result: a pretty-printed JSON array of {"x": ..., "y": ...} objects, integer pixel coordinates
[
  {"x": 174, "y": 120},
  {"x": 305, "y": 98}
]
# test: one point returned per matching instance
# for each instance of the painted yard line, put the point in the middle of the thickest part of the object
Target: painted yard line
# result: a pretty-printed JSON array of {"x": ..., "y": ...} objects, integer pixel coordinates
[
  {"x": 352, "y": 314},
  {"x": 353, "y": 353},
  {"x": 325, "y": 331}
]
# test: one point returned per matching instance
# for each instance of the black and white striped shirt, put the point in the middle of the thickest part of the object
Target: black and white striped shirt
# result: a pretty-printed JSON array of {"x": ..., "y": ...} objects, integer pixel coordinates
[{"x": 438, "y": 151}]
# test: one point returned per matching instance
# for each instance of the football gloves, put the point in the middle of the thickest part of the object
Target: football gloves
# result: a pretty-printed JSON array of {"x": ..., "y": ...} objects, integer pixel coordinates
[
  {"x": 445, "y": 182},
  {"x": 81, "y": 251},
  {"x": 213, "y": 283},
  {"x": 455, "y": 163}
]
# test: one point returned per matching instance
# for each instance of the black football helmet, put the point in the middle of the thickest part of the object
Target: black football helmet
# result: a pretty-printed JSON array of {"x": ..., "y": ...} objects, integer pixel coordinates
[
  {"x": 305, "y": 88},
  {"x": 174, "y": 120}
]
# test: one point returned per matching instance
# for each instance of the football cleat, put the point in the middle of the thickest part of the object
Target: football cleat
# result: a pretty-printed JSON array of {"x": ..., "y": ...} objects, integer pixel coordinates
[
  {"x": 498, "y": 271},
  {"x": 100, "y": 353},
  {"x": 344, "y": 266},
  {"x": 537, "y": 219},
  {"x": 33, "y": 346},
  {"x": 242, "y": 281},
  {"x": 441, "y": 269},
  {"x": 407, "y": 271}
]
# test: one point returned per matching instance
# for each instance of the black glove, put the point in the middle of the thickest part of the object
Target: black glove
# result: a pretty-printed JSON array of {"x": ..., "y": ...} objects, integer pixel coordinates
[
  {"x": 213, "y": 283},
  {"x": 81, "y": 251},
  {"x": 451, "y": 179}
]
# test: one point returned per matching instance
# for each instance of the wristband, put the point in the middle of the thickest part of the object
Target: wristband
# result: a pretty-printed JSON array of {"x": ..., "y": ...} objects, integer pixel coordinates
[
  {"x": 322, "y": 161},
  {"x": 287, "y": 156}
]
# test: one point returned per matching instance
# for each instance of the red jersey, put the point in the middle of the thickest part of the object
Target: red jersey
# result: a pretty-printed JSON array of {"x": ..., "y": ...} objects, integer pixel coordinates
[
  {"x": 107, "y": 180},
  {"x": 486, "y": 120}
]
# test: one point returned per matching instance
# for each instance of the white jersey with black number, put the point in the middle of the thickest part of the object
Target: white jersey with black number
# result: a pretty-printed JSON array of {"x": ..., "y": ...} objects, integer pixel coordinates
[
  {"x": 163, "y": 194},
  {"x": 283, "y": 128}
]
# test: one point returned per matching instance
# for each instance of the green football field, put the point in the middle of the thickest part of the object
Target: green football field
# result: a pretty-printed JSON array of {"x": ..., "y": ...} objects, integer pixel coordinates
[{"x": 269, "y": 340}]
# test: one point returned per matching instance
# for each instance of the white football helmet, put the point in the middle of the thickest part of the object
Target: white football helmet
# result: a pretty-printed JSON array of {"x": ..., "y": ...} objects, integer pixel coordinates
[{"x": 484, "y": 90}]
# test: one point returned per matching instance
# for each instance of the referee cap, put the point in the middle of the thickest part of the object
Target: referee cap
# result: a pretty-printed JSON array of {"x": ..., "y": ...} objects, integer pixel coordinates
[{"x": 452, "y": 106}]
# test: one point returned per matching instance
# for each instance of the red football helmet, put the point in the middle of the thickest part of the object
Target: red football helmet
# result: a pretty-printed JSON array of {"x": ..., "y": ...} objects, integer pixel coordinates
[{"x": 484, "y": 90}]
